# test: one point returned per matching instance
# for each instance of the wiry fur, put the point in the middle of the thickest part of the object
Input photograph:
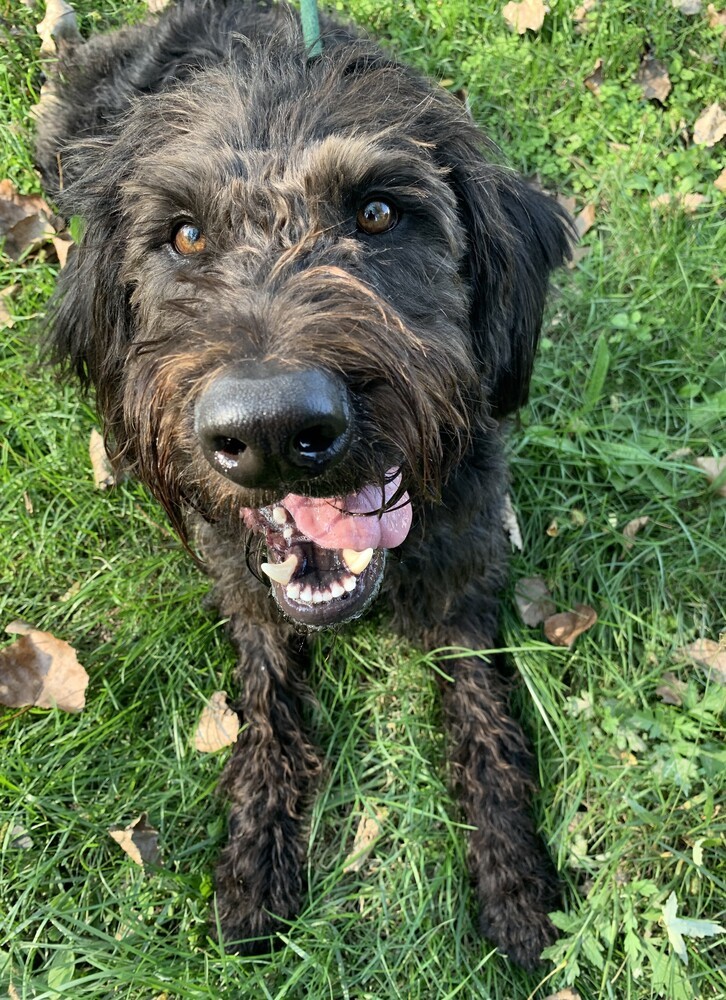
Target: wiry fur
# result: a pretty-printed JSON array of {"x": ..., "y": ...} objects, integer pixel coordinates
[{"x": 215, "y": 114}]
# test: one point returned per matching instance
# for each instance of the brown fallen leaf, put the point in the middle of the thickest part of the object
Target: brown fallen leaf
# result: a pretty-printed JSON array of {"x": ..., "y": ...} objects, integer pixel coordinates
[
  {"x": 511, "y": 524},
  {"x": 59, "y": 24},
  {"x": 632, "y": 528},
  {"x": 533, "y": 599},
  {"x": 156, "y": 5},
  {"x": 710, "y": 126},
  {"x": 139, "y": 841},
  {"x": 38, "y": 669},
  {"x": 688, "y": 7},
  {"x": 580, "y": 13},
  {"x": 585, "y": 220},
  {"x": 652, "y": 77},
  {"x": 103, "y": 473},
  {"x": 715, "y": 469},
  {"x": 720, "y": 182},
  {"x": 366, "y": 835},
  {"x": 527, "y": 15},
  {"x": 218, "y": 725},
  {"x": 562, "y": 629},
  {"x": 687, "y": 203},
  {"x": 566, "y": 994},
  {"x": 6, "y": 318},
  {"x": 716, "y": 18},
  {"x": 671, "y": 689},
  {"x": 62, "y": 244},
  {"x": 25, "y": 220},
  {"x": 709, "y": 655},
  {"x": 595, "y": 80}
]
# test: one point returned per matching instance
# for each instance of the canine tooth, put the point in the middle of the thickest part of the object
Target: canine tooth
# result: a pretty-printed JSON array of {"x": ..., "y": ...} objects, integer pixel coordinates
[
  {"x": 349, "y": 583},
  {"x": 279, "y": 515},
  {"x": 336, "y": 589},
  {"x": 281, "y": 572},
  {"x": 357, "y": 561}
]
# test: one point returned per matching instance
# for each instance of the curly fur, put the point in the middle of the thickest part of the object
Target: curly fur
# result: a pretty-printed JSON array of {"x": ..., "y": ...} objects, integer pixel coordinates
[{"x": 215, "y": 113}]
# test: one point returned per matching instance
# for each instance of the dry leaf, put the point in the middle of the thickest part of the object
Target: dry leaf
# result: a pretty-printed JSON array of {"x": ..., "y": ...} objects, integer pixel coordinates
[
  {"x": 585, "y": 220},
  {"x": 553, "y": 528},
  {"x": 38, "y": 669},
  {"x": 218, "y": 725},
  {"x": 156, "y": 5},
  {"x": 583, "y": 10},
  {"x": 103, "y": 474},
  {"x": 671, "y": 690},
  {"x": 62, "y": 246},
  {"x": 6, "y": 318},
  {"x": 686, "y": 202},
  {"x": 715, "y": 469},
  {"x": 24, "y": 220},
  {"x": 569, "y": 204},
  {"x": 511, "y": 524},
  {"x": 533, "y": 599},
  {"x": 720, "y": 182},
  {"x": 578, "y": 254},
  {"x": 528, "y": 15},
  {"x": 139, "y": 841},
  {"x": 688, "y": 7},
  {"x": 710, "y": 655},
  {"x": 369, "y": 828},
  {"x": 716, "y": 18},
  {"x": 595, "y": 80},
  {"x": 58, "y": 24},
  {"x": 564, "y": 628},
  {"x": 710, "y": 127},
  {"x": 652, "y": 77},
  {"x": 566, "y": 994},
  {"x": 632, "y": 528}
]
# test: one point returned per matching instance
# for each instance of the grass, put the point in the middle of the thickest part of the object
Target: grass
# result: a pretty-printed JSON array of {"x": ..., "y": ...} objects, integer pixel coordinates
[{"x": 631, "y": 372}]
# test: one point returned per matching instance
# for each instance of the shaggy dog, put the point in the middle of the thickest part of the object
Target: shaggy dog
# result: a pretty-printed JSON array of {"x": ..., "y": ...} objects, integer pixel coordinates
[{"x": 306, "y": 296}]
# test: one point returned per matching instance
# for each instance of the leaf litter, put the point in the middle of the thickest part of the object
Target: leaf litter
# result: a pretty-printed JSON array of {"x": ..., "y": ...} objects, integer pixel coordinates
[
  {"x": 528, "y": 15},
  {"x": 42, "y": 671},
  {"x": 139, "y": 841},
  {"x": 218, "y": 725}
]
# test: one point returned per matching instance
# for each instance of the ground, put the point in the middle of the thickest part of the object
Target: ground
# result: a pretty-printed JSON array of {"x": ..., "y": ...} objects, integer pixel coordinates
[{"x": 628, "y": 392}]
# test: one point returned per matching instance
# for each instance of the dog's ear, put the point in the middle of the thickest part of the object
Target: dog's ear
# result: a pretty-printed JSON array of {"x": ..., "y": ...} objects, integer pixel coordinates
[{"x": 516, "y": 237}]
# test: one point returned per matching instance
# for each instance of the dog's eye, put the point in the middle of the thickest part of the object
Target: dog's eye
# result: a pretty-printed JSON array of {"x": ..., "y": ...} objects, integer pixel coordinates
[
  {"x": 376, "y": 216},
  {"x": 189, "y": 239}
]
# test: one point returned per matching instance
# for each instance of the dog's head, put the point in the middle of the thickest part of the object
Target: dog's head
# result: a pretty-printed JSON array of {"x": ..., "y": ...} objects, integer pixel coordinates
[{"x": 302, "y": 291}]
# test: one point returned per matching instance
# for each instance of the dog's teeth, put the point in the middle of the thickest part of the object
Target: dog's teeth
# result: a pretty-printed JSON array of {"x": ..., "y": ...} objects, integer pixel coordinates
[
  {"x": 281, "y": 572},
  {"x": 279, "y": 515},
  {"x": 336, "y": 589},
  {"x": 293, "y": 591},
  {"x": 318, "y": 597},
  {"x": 287, "y": 532},
  {"x": 349, "y": 583},
  {"x": 306, "y": 594},
  {"x": 357, "y": 561}
]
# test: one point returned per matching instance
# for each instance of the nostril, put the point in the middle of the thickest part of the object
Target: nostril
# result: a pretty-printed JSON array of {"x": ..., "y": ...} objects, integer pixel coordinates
[
  {"x": 227, "y": 450},
  {"x": 315, "y": 440}
]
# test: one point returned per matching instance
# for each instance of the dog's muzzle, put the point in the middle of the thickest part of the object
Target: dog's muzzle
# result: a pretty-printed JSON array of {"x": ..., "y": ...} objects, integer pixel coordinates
[{"x": 262, "y": 427}]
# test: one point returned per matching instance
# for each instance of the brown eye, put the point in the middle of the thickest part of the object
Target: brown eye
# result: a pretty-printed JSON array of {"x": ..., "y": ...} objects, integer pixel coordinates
[
  {"x": 189, "y": 239},
  {"x": 376, "y": 217}
]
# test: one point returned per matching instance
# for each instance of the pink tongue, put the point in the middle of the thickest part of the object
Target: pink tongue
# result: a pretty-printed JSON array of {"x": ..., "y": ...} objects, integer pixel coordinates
[{"x": 342, "y": 524}]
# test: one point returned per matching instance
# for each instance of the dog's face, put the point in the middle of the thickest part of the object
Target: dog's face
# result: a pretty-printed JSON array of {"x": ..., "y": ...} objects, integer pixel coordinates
[{"x": 301, "y": 290}]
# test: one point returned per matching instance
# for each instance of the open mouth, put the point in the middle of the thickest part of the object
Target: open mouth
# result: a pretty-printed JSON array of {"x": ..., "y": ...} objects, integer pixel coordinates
[{"x": 326, "y": 556}]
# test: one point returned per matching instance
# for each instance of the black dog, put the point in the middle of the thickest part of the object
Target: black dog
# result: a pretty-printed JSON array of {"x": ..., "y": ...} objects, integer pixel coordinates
[{"x": 305, "y": 298}]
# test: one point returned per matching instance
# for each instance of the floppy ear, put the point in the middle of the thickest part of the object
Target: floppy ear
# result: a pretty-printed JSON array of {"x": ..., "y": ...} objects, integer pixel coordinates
[{"x": 516, "y": 237}]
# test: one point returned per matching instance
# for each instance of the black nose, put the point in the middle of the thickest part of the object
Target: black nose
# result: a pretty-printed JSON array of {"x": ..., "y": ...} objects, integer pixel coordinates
[{"x": 263, "y": 427}]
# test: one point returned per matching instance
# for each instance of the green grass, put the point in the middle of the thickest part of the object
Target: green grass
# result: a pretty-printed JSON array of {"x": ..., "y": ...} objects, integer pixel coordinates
[{"x": 632, "y": 804}]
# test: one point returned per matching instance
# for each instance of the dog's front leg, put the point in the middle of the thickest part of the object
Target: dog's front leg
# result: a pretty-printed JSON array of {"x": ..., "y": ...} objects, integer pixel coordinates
[
  {"x": 492, "y": 769},
  {"x": 268, "y": 779}
]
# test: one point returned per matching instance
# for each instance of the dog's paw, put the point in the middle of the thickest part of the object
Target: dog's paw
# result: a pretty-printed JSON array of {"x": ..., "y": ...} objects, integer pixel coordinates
[{"x": 520, "y": 930}]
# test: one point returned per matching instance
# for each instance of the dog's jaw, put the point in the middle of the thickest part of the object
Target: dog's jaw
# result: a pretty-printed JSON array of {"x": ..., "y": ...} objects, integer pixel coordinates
[{"x": 327, "y": 557}]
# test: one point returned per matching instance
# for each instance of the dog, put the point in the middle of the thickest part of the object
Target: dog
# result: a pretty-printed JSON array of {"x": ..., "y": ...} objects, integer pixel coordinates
[{"x": 307, "y": 296}]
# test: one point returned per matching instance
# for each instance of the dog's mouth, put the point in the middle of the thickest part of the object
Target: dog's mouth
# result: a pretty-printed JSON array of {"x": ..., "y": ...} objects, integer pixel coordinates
[{"x": 326, "y": 556}]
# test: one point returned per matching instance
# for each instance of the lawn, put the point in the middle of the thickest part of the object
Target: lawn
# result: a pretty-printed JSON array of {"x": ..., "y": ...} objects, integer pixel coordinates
[{"x": 628, "y": 394}]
